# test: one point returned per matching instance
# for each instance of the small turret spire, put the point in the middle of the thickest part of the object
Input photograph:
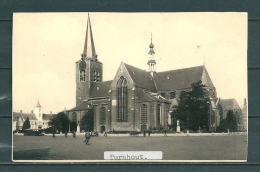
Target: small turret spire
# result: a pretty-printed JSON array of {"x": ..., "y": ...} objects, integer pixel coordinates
[
  {"x": 151, "y": 52},
  {"x": 38, "y": 104}
]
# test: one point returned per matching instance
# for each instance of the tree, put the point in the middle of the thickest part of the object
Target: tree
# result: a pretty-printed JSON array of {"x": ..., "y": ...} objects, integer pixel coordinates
[
  {"x": 26, "y": 124},
  {"x": 229, "y": 123},
  {"x": 87, "y": 121},
  {"x": 60, "y": 122},
  {"x": 73, "y": 126},
  {"x": 193, "y": 107}
]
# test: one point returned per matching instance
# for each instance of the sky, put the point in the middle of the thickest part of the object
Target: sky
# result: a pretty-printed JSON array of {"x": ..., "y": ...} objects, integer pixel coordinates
[{"x": 47, "y": 45}]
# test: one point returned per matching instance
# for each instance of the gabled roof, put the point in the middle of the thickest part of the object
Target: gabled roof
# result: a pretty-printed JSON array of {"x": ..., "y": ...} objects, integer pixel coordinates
[
  {"x": 144, "y": 96},
  {"x": 102, "y": 91},
  {"x": 181, "y": 78},
  {"x": 48, "y": 116},
  {"x": 140, "y": 77},
  {"x": 81, "y": 106},
  {"x": 24, "y": 116},
  {"x": 229, "y": 104}
]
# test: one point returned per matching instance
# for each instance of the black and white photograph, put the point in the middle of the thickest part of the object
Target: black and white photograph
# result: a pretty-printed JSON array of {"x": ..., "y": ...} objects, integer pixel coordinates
[{"x": 129, "y": 87}]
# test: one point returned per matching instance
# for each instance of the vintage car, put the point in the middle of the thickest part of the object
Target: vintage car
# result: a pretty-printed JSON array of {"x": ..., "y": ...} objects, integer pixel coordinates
[{"x": 33, "y": 132}]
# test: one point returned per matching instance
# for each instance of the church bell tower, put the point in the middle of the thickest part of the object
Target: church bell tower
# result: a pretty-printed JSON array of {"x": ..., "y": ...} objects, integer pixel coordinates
[
  {"x": 151, "y": 63},
  {"x": 89, "y": 70}
]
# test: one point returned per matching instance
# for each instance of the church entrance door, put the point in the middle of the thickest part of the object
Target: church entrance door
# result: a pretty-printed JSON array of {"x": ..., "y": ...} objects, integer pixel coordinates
[
  {"x": 143, "y": 127},
  {"x": 102, "y": 128}
]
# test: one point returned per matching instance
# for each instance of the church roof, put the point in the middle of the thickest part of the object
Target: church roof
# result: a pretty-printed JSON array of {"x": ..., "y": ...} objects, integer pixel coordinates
[
  {"x": 229, "y": 104},
  {"x": 144, "y": 96},
  {"x": 24, "y": 116},
  {"x": 102, "y": 91},
  {"x": 181, "y": 78},
  {"x": 81, "y": 106},
  {"x": 140, "y": 77}
]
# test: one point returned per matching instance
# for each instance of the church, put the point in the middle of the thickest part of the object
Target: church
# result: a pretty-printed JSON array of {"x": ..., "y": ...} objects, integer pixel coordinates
[{"x": 135, "y": 99}]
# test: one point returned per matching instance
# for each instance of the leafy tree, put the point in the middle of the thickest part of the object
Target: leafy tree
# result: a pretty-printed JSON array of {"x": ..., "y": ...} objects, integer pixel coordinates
[
  {"x": 73, "y": 126},
  {"x": 60, "y": 122},
  {"x": 193, "y": 108},
  {"x": 87, "y": 121},
  {"x": 26, "y": 124},
  {"x": 228, "y": 123}
]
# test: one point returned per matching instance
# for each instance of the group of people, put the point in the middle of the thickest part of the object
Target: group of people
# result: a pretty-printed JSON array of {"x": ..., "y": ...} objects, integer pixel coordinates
[{"x": 149, "y": 132}]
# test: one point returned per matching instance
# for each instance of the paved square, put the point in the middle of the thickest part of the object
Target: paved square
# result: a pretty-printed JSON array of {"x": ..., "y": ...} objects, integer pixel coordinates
[{"x": 228, "y": 147}]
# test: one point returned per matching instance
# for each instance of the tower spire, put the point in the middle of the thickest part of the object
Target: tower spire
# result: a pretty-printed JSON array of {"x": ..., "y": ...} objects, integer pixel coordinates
[
  {"x": 151, "y": 63},
  {"x": 92, "y": 49},
  {"x": 38, "y": 104}
]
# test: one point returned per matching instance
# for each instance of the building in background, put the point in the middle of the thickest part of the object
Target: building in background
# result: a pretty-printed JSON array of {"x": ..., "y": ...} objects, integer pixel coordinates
[
  {"x": 245, "y": 116},
  {"x": 38, "y": 120},
  {"x": 231, "y": 104}
]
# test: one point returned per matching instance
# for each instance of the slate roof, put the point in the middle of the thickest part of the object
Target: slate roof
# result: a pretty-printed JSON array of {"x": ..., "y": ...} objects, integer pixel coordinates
[
  {"x": 48, "y": 116},
  {"x": 103, "y": 90},
  {"x": 81, "y": 106},
  {"x": 141, "y": 77},
  {"x": 24, "y": 116},
  {"x": 178, "y": 79},
  {"x": 229, "y": 104},
  {"x": 144, "y": 96}
]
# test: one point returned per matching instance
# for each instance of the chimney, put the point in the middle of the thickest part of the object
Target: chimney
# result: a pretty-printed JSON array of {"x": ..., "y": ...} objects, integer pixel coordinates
[
  {"x": 51, "y": 113},
  {"x": 21, "y": 111},
  {"x": 32, "y": 112},
  {"x": 244, "y": 101},
  {"x": 64, "y": 111}
]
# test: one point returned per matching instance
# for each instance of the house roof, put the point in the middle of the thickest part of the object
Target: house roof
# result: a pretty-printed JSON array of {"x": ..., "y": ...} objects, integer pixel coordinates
[
  {"x": 24, "y": 116},
  {"x": 229, "y": 104},
  {"x": 48, "y": 116},
  {"x": 102, "y": 91},
  {"x": 140, "y": 77},
  {"x": 181, "y": 78}
]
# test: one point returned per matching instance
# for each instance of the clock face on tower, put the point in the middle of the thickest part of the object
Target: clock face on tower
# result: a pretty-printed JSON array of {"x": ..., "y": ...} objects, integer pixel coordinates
[{"x": 82, "y": 65}]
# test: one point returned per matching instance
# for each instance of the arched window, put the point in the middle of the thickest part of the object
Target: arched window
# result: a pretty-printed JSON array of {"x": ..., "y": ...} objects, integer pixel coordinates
[
  {"x": 158, "y": 114},
  {"x": 172, "y": 95},
  {"x": 82, "y": 76},
  {"x": 74, "y": 117},
  {"x": 122, "y": 99},
  {"x": 102, "y": 116},
  {"x": 97, "y": 76},
  {"x": 94, "y": 76},
  {"x": 144, "y": 114}
]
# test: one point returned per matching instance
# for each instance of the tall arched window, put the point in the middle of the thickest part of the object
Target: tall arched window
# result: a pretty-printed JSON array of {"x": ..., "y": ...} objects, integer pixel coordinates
[
  {"x": 97, "y": 76},
  {"x": 144, "y": 114},
  {"x": 74, "y": 117},
  {"x": 122, "y": 99},
  {"x": 102, "y": 116},
  {"x": 94, "y": 76},
  {"x": 82, "y": 76},
  {"x": 158, "y": 114}
]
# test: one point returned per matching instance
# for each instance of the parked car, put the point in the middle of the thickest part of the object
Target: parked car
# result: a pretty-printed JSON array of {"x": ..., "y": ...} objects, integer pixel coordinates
[{"x": 33, "y": 132}]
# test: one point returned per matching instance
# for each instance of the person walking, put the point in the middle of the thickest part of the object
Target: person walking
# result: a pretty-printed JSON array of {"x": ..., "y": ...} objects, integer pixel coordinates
[
  {"x": 87, "y": 137},
  {"x": 149, "y": 132},
  {"x": 53, "y": 134},
  {"x": 66, "y": 134},
  {"x": 165, "y": 132}
]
